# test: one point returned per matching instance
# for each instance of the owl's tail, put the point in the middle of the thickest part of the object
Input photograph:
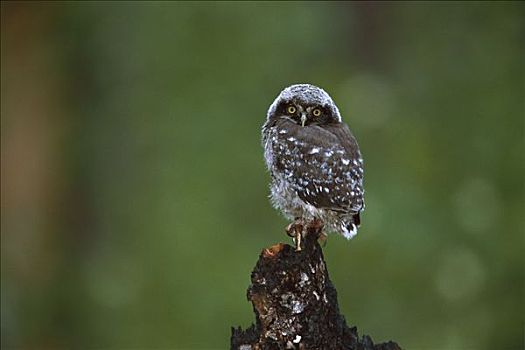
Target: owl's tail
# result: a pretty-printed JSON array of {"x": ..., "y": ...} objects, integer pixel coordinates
[{"x": 349, "y": 229}]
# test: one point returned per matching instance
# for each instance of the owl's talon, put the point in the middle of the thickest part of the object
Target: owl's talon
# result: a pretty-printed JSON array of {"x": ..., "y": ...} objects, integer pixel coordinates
[
  {"x": 293, "y": 227},
  {"x": 290, "y": 230},
  {"x": 295, "y": 230},
  {"x": 299, "y": 235}
]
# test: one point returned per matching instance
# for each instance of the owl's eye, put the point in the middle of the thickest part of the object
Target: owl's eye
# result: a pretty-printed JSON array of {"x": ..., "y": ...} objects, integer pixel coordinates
[
  {"x": 316, "y": 112},
  {"x": 291, "y": 109}
]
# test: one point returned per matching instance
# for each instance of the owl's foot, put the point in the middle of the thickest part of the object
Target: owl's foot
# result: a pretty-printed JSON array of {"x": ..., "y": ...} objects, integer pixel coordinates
[
  {"x": 317, "y": 225},
  {"x": 295, "y": 230}
]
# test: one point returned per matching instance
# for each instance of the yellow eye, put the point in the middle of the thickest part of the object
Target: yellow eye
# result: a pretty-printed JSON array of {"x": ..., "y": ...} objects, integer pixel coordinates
[
  {"x": 291, "y": 109},
  {"x": 316, "y": 112}
]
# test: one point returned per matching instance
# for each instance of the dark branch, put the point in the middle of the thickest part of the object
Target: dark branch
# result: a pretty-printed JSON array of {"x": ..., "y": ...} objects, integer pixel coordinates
[{"x": 295, "y": 303}]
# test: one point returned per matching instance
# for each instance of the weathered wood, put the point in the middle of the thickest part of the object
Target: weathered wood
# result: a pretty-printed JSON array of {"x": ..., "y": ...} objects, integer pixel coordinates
[{"x": 295, "y": 303}]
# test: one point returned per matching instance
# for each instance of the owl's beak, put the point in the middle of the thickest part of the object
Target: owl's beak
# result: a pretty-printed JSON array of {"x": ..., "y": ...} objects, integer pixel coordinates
[{"x": 303, "y": 119}]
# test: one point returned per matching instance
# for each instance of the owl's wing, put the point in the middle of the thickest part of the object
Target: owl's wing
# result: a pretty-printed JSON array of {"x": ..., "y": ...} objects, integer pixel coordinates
[{"x": 324, "y": 165}]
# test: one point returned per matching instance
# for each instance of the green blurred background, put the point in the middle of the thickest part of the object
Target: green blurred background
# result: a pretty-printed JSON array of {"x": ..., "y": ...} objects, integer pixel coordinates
[{"x": 134, "y": 192}]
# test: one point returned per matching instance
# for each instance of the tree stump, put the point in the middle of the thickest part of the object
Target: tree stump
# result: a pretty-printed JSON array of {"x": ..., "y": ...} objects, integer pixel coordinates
[{"x": 295, "y": 303}]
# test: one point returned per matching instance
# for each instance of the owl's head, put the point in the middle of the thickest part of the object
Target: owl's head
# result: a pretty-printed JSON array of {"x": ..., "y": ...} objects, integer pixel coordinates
[{"x": 305, "y": 104}]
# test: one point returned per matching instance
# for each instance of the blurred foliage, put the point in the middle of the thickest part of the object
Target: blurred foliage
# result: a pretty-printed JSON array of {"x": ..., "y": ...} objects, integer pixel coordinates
[{"x": 134, "y": 193}]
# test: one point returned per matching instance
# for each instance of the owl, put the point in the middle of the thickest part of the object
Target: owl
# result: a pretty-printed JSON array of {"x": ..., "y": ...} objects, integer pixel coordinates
[{"x": 315, "y": 164}]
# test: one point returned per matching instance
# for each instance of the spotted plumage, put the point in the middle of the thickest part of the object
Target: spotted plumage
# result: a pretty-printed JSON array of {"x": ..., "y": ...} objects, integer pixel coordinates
[{"x": 314, "y": 160}]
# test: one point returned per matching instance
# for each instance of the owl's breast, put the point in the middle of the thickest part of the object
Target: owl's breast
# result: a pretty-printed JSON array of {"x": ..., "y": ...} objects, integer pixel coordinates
[{"x": 320, "y": 168}]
